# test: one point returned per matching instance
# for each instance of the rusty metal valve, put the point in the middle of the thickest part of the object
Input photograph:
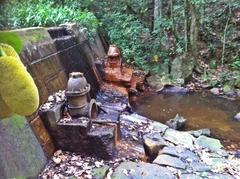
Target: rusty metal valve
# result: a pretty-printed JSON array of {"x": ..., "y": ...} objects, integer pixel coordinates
[{"x": 77, "y": 93}]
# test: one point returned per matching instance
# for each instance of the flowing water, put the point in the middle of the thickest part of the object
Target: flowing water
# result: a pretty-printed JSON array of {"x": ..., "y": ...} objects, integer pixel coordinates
[{"x": 202, "y": 110}]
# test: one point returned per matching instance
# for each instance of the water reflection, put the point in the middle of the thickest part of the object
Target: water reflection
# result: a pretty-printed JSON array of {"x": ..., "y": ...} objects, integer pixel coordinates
[{"x": 202, "y": 110}]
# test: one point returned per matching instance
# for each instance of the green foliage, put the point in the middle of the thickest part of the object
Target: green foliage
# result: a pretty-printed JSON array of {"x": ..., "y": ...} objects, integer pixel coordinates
[
  {"x": 129, "y": 25},
  {"x": 229, "y": 77},
  {"x": 212, "y": 64},
  {"x": 46, "y": 13},
  {"x": 236, "y": 64},
  {"x": 129, "y": 34},
  {"x": 11, "y": 39}
]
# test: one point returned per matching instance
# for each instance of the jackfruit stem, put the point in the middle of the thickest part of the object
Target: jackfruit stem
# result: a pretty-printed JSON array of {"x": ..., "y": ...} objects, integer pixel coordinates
[{"x": 2, "y": 53}]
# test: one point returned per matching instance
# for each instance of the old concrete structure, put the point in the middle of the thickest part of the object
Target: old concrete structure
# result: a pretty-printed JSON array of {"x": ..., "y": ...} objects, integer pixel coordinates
[{"x": 49, "y": 55}]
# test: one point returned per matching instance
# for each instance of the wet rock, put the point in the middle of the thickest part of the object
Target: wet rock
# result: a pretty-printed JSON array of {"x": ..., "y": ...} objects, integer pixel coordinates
[
  {"x": 177, "y": 123},
  {"x": 152, "y": 143},
  {"x": 157, "y": 126},
  {"x": 114, "y": 106},
  {"x": 174, "y": 89},
  {"x": 222, "y": 153},
  {"x": 221, "y": 176},
  {"x": 190, "y": 176},
  {"x": 134, "y": 118},
  {"x": 179, "y": 138},
  {"x": 237, "y": 154},
  {"x": 218, "y": 163},
  {"x": 209, "y": 143},
  {"x": 127, "y": 170},
  {"x": 231, "y": 94},
  {"x": 179, "y": 151},
  {"x": 100, "y": 173},
  {"x": 197, "y": 166},
  {"x": 215, "y": 91},
  {"x": 167, "y": 160},
  {"x": 215, "y": 175},
  {"x": 223, "y": 165},
  {"x": 237, "y": 117},
  {"x": 200, "y": 132}
]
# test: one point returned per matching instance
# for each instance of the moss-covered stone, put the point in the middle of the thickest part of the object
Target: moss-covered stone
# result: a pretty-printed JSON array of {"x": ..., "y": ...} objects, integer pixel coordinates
[
  {"x": 100, "y": 173},
  {"x": 227, "y": 88},
  {"x": 182, "y": 67},
  {"x": 33, "y": 34},
  {"x": 237, "y": 83},
  {"x": 20, "y": 153},
  {"x": 15, "y": 123}
]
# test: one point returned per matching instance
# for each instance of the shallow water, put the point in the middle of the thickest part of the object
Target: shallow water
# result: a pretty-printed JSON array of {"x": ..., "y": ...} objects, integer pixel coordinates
[{"x": 202, "y": 110}]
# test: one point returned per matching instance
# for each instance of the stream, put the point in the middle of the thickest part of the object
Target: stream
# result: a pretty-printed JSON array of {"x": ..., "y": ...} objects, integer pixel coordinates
[{"x": 202, "y": 110}]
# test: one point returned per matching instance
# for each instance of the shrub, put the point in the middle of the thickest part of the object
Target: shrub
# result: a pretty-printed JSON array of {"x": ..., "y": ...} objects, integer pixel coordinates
[
  {"x": 236, "y": 64},
  {"x": 130, "y": 35},
  {"x": 46, "y": 13}
]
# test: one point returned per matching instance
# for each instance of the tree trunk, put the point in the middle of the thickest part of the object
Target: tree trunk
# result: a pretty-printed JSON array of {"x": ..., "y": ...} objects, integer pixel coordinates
[
  {"x": 194, "y": 30},
  {"x": 186, "y": 25},
  {"x": 157, "y": 12},
  {"x": 150, "y": 12}
]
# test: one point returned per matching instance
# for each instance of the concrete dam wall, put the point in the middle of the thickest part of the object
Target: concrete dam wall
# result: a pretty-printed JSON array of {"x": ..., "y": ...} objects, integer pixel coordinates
[{"x": 49, "y": 54}]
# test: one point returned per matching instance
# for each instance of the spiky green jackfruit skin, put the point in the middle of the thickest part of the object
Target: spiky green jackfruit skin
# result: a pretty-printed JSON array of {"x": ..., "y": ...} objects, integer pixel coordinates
[
  {"x": 5, "y": 111},
  {"x": 17, "y": 87},
  {"x": 9, "y": 50}
]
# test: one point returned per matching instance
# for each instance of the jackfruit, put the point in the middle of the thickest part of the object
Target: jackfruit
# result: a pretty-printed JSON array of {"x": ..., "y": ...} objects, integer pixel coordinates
[
  {"x": 17, "y": 87},
  {"x": 5, "y": 111},
  {"x": 9, "y": 51}
]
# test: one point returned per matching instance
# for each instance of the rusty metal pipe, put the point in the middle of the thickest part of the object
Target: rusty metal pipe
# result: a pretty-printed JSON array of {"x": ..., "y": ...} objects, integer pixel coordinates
[{"x": 89, "y": 110}]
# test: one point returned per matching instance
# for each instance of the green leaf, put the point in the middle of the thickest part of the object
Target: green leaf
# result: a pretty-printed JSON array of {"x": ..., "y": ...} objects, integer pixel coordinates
[{"x": 12, "y": 39}]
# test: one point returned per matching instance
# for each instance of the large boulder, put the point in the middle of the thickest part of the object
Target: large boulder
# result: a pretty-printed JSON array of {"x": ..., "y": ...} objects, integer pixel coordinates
[
  {"x": 20, "y": 153},
  {"x": 182, "y": 67},
  {"x": 177, "y": 122}
]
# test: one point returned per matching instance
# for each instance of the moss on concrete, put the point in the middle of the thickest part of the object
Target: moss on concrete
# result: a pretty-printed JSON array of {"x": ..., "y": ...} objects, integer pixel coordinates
[
  {"x": 15, "y": 123},
  {"x": 33, "y": 34},
  {"x": 20, "y": 153}
]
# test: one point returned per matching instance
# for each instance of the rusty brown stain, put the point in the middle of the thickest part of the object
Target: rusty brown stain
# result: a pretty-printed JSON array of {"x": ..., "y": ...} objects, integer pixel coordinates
[{"x": 42, "y": 135}]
